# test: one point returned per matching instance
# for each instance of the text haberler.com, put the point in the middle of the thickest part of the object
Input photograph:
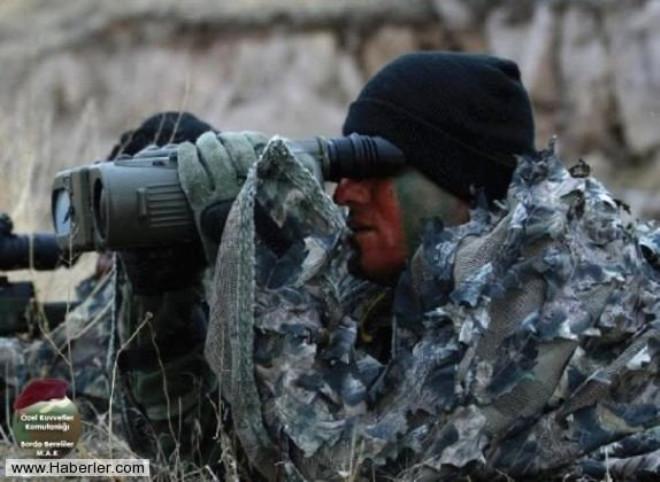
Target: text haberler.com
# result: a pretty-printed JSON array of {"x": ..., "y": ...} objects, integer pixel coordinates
[{"x": 74, "y": 467}]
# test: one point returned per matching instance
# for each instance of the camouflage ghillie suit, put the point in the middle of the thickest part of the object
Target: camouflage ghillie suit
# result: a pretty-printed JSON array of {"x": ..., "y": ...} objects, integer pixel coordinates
[
  {"x": 522, "y": 343},
  {"x": 169, "y": 395},
  {"x": 79, "y": 350}
]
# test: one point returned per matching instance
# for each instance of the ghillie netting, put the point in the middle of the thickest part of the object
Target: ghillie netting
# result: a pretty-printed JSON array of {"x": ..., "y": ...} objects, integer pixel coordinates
[{"x": 524, "y": 342}]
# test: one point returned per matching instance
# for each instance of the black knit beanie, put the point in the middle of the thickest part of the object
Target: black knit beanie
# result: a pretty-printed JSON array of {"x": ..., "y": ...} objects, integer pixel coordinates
[
  {"x": 169, "y": 127},
  {"x": 458, "y": 118}
]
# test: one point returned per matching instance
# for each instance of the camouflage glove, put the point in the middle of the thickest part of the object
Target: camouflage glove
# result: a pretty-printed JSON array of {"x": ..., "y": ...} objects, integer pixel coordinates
[{"x": 212, "y": 172}]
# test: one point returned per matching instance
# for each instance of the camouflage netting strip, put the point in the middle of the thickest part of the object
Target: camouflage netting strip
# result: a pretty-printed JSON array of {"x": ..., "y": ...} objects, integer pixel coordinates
[{"x": 230, "y": 339}]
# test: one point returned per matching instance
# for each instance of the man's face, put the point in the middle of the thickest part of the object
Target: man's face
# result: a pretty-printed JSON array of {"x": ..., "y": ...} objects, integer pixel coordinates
[
  {"x": 387, "y": 216},
  {"x": 375, "y": 218}
]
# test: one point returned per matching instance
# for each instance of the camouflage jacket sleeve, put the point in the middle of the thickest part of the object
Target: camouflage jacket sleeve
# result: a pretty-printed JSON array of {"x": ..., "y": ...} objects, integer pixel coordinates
[{"x": 169, "y": 392}]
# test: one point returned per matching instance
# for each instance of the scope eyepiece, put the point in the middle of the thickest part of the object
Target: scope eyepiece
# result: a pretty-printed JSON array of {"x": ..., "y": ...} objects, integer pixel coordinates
[
  {"x": 354, "y": 157},
  {"x": 360, "y": 157}
]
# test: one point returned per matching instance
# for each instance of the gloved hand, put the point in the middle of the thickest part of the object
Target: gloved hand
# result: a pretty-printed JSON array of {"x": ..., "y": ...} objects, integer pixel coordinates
[
  {"x": 155, "y": 271},
  {"x": 212, "y": 172}
]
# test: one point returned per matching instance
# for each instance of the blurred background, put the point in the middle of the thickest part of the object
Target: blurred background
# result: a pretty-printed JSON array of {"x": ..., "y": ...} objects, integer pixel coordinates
[{"x": 75, "y": 74}]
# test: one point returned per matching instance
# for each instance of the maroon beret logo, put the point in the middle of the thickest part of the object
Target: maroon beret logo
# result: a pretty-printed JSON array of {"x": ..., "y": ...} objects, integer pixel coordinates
[{"x": 46, "y": 422}]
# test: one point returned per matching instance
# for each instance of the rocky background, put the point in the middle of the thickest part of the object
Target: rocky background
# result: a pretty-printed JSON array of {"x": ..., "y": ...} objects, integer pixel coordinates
[{"x": 74, "y": 74}]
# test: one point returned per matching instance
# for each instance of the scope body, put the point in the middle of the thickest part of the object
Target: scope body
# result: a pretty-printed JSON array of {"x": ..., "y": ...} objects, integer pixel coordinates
[
  {"x": 131, "y": 202},
  {"x": 38, "y": 251}
]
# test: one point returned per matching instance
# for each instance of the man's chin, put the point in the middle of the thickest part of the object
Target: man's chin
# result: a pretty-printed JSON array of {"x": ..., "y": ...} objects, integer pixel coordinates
[
  {"x": 355, "y": 260},
  {"x": 357, "y": 269}
]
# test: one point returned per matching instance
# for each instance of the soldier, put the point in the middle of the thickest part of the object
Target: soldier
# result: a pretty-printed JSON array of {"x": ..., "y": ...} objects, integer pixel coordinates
[
  {"x": 83, "y": 349},
  {"x": 166, "y": 383},
  {"x": 507, "y": 326}
]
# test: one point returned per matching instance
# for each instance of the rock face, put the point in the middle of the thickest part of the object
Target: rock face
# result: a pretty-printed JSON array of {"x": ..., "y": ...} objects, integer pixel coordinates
[{"x": 281, "y": 66}]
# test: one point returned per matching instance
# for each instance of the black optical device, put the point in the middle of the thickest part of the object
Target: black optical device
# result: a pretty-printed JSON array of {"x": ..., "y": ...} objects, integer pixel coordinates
[{"x": 138, "y": 201}]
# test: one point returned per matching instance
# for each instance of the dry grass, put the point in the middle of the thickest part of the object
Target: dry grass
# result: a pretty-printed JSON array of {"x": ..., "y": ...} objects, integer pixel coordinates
[
  {"x": 103, "y": 435},
  {"x": 31, "y": 152},
  {"x": 99, "y": 442}
]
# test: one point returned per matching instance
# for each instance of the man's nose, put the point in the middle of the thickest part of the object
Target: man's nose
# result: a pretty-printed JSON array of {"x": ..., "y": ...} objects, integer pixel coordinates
[{"x": 350, "y": 191}]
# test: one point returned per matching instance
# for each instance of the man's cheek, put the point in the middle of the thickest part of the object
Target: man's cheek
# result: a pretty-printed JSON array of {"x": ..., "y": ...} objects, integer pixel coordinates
[
  {"x": 370, "y": 244},
  {"x": 375, "y": 253},
  {"x": 364, "y": 248}
]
